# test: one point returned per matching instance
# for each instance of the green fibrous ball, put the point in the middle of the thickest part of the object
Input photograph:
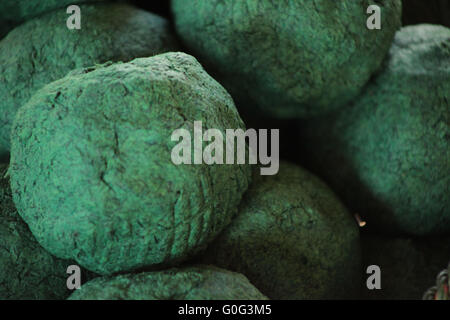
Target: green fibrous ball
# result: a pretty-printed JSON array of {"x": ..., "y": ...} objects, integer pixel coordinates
[
  {"x": 292, "y": 238},
  {"x": 408, "y": 266},
  {"x": 297, "y": 58},
  {"x": 44, "y": 50},
  {"x": 388, "y": 154},
  {"x": 17, "y": 11},
  {"x": 27, "y": 271},
  {"x": 190, "y": 283},
  {"x": 92, "y": 171}
]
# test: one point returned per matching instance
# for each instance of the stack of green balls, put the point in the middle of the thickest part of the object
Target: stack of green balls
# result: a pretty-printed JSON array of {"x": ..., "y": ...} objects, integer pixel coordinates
[
  {"x": 388, "y": 154},
  {"x": 86, "y": 136},
  {"x": 31, "y": 56}
]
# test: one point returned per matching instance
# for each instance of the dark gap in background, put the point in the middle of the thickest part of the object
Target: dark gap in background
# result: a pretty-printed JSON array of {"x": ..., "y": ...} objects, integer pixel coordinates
[
  {"x": 160, "y": 7},
  {"x": 426, "y": 11}
]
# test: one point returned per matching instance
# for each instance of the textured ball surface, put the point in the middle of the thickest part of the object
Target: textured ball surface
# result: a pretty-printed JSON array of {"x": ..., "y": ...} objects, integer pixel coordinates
[
  {"x": 27, "y": 271},
  {"x": 292, "y": 238},
  {"x": 297, "y": 58},
  {"x": 91, "y": 165},
  {"x": 388, "y": 154},
  {"x": 17, "y": 11},
  {"x": 191, "y": 283},
  {"x": 31, "y": 56}
]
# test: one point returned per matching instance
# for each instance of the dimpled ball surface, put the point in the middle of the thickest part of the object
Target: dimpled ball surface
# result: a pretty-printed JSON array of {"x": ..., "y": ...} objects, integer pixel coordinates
[
  {"x": 31, "y": 56},
  {"x": 388, "y": 155},
  {"x": 91, "y": 166},
  {"x": 190, "y": 283},
  {"x": 292, "y": 238},
  {"x": 297, "y": 58}
]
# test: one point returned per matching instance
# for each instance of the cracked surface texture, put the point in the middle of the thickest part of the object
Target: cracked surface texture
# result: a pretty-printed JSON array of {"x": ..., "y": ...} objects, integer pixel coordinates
[
  {"x": 292, "y": 239},
  {"x": 297, "y": 58},
  {"x": 191, "y": 283},
  {"x": 31, "y": 56},
  {"x": 91, "y": 165},
  {"x": 27, "y": 271},
  {"x": 388, "y": 155}
]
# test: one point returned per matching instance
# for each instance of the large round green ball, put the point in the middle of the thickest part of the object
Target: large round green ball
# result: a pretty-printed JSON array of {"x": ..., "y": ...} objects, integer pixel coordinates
[
  {"x": 297, "y": 58},
  {"x": 92, "y": 172},
  {"x": 191, "y": 283},
  {"x": 388, "y": 155},
  {"x": 43, "y": 50},
  {"x": 292, "y": 238}
]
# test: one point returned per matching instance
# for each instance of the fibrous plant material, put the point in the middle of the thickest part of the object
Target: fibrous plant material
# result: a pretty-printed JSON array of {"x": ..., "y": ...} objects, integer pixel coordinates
[
  {"x": 388, "y": 154},
  {"x": 191, "y": 283},
  {"x": 27, "y": 271},
  {"x": 91, "y": 165},
  {"x": 298, "y": 58},
  {"x": 292, "y": 239},
  {"x": 31, "y": 56}
]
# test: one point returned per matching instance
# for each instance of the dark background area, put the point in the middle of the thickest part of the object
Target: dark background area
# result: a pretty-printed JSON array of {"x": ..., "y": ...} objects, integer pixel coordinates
[
  {"x": 426, "y": 11},
  {"x": 414, "y": 11},
  {"x": 161, "y": 7}
]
